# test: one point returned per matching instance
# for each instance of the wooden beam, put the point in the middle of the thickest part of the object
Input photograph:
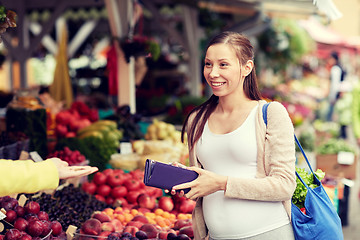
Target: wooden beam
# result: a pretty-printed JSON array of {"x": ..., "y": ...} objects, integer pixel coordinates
[{"x": 81, "y": 35}]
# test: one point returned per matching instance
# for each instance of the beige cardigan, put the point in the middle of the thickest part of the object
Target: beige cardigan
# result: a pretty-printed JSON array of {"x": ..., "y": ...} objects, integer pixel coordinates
[{"x": 275, "y": 179}]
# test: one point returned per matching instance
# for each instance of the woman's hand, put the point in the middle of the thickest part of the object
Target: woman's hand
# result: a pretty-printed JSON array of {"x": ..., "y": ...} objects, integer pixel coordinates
[{"x": 206, "y": 183}]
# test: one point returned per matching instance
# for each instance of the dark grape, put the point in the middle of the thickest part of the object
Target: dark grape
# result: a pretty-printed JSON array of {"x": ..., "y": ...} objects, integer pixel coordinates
[
  {"x": 141, "y": 234},
  {"x": 69, "y": 206}
]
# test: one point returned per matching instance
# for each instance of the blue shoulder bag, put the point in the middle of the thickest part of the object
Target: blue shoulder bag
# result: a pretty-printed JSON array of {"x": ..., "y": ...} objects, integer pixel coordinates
[{"x": 321, "y": 221}]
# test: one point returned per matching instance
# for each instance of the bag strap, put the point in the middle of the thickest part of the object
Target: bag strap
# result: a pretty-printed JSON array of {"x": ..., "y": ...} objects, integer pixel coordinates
[{"x": 264, "y": 111}]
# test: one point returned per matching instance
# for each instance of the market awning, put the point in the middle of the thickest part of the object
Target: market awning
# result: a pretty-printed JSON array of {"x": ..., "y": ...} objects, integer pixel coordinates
[{"x": 327, "y": 39}]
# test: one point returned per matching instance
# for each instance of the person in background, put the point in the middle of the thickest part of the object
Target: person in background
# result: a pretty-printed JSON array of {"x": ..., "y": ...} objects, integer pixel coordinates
[
  {"x": 27, "y": 176},
  {"x": 246, "y": 168},
  {"x": 337, "y": 75}
]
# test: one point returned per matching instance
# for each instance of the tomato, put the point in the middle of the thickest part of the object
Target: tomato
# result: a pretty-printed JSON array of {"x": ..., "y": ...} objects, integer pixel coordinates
[
  {"x": 89, "y": 187},
  {"x": 99, "y": 178},
  {"x": 132, "y": 196},
  {"x": 132, "y": 184},
  {"x": 115, "y": 179},
  {"x": 118, "y": 192}
]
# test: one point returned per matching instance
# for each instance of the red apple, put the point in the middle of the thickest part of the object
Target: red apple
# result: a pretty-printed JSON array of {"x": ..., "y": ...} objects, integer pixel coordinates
[
  {"x": 99, "y": 178},
  {"x": 32, "y": 207},
  {"x": 12, "y": 234},
  {"x": 21, "y": 224},
  {"x": 35, "y": 228},
  {"x": 46, "y": 225},
  {"x": 118, "y": 192},
  {"x": 20, "y": 211},
  {"x": 10, "y": 216},
  {"x": 166, "y": 204},
  {"x": 25, "y": 236},
  {"x": 56, "y": 228},
  {"x": 89, "y": 187},
  {"x": 31, "y": 217},
  {"x": 43, "y": 215}
]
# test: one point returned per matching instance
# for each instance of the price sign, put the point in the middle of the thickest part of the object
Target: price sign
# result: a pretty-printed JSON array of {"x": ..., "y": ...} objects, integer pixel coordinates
[
  {"x": 36, "y": 157},
  {"x": 345, "y": 158}
]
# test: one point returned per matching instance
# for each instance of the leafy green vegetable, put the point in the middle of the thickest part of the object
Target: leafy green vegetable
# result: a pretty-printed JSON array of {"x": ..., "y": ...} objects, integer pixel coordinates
[
  {"x": 300, "y": 192},
  {"x": 334, "y": 146}
]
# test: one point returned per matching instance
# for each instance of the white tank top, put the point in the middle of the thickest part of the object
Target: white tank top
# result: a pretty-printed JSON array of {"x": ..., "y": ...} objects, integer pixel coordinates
[{"x": 234, "y": 154}]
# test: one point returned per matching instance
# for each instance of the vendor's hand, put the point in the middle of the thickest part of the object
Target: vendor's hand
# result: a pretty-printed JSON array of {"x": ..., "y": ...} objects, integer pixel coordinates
[
  {"x": 206, "y": 183},
  {"x": 66, "y": 171}
]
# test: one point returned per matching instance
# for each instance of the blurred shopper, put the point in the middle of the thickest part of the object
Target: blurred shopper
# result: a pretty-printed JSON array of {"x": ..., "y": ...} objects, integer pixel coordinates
[
  {"x": 342, "y": 109},
  {"x": 337, "y": 75},
  {"x": 27, "y": 176},
  {"x": 246, "y": 169}
]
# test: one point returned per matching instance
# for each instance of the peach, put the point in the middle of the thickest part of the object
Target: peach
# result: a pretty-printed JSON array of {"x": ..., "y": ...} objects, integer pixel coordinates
[
  {"x": 188, "y": 230},
  {"x": 131, "y": 229},
  {"x": 102, "y": 217},
  {"x": 150, "y": 230},
  {"x": 137, "y": 224},
  {"x": 117, "y": 225},
  {"x": 107, "y": 226},
  {"x": 140, "y": 218},
  {"x": 180, "y": 223}
]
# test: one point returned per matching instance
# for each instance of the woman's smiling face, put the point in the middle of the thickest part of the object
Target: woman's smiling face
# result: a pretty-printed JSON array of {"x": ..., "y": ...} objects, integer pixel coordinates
[{"x": 222, "y": 70}]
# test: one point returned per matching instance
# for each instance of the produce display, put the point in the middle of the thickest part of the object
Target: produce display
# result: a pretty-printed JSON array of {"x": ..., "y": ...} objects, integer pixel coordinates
[
  {"x": 69, "y": 205},
  {"x": 136, "y": 208},
  {"x": 28, "y": 221},
  {"x": 114, "y": 203},
  {"x": 71, "y": 157}
]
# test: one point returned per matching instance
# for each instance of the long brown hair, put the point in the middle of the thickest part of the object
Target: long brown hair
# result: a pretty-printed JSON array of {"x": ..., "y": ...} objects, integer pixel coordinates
[{"x": 244, "y": 52}]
